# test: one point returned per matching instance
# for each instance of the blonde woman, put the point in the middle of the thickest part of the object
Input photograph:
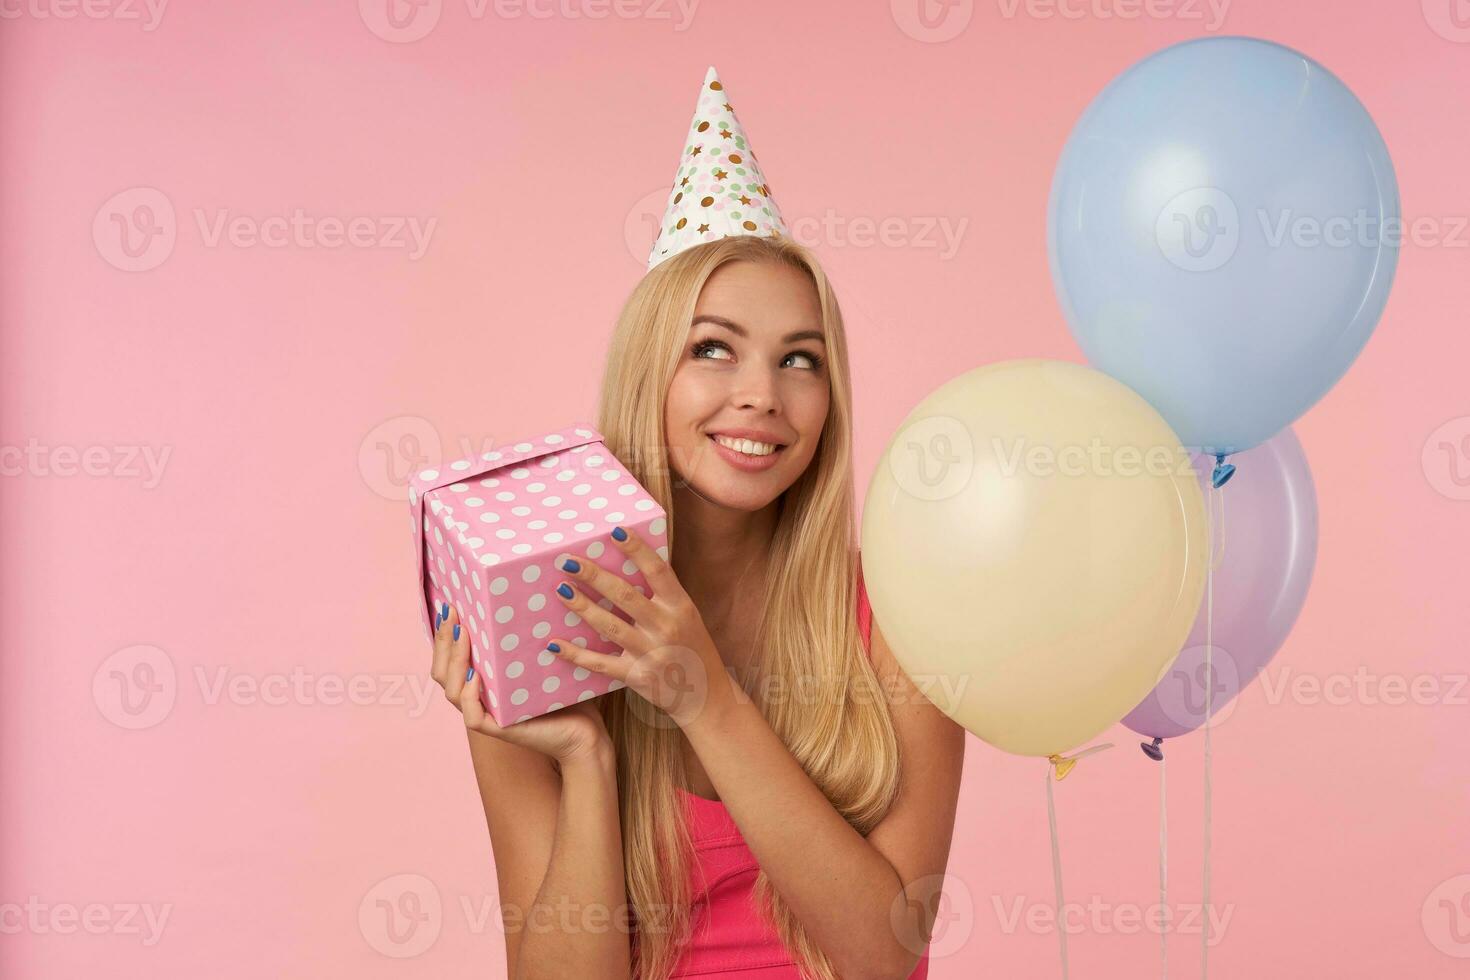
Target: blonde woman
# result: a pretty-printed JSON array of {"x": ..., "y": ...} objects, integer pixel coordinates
[{"x": 769, "y": 796}]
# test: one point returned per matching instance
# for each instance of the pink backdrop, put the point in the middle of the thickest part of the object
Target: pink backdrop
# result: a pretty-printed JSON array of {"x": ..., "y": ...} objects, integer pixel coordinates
[{"x": 219, "y": 750}]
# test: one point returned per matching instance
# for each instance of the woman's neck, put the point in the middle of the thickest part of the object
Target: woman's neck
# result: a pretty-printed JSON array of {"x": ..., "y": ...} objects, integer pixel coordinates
[{"x": 719, "y": 551}]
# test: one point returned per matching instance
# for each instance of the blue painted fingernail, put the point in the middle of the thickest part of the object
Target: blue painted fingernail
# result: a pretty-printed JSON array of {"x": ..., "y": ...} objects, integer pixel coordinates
[
  {"x": 456, "y": 632},
  {"x": 444, "y": 610},
  {"x": 620, "y": 534},
  {"x": 571, "y": 565},
  {"x": 469, "y": 675},
  {"x": 554, "y": 647},
  {"x": 438, "y": 622},
  {"x": 565, "y": 590}
]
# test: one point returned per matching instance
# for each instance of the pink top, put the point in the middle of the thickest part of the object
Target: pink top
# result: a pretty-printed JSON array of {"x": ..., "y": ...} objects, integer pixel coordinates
[{"x": 729, "y": 938}]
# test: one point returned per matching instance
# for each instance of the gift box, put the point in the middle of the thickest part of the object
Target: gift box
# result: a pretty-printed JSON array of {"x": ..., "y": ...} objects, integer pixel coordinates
[{"x": 490, "y": 532}]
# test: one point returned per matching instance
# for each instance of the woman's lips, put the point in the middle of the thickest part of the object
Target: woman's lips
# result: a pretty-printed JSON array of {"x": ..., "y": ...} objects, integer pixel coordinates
[{"x": 750, "y": 464}]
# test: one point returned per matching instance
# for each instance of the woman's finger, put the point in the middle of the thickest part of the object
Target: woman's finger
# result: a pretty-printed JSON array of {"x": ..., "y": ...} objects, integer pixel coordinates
[
  {"x": 444, "y": 622},
  {"x": 476, "y": 719},
  {"x": 459, "y": 660},
  {"x": 611, "y": 665},
  {"x": 658, "y": 573},
  {"x": 622, "y": 593},
  {"x": 609, "y": 626}
]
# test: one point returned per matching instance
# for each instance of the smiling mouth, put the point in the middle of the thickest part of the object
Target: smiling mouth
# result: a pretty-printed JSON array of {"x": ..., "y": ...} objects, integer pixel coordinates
[{"x": 776, "y": 451}]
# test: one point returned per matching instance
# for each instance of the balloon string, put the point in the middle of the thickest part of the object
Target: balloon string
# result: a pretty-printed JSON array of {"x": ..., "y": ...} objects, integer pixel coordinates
[
  {"x": 1217, "y": 548},
  {"x": 1163, "y": 863},
  {"x": 1209, "y": 710},
  {"x": 1056, "y": 871},
  {"x": 1061, "y": 765}
]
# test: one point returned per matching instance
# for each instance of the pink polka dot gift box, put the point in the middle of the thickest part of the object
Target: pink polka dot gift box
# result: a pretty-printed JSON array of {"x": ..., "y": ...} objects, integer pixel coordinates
[{"x": 490, "y": 532}]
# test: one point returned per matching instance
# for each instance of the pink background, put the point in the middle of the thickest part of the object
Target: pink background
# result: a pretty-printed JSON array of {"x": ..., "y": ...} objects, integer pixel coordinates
[{"x": 293, "y": 386}]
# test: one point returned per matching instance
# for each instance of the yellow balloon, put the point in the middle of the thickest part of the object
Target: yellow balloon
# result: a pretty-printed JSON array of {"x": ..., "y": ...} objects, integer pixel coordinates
[{"x": 1034, "y": 548}]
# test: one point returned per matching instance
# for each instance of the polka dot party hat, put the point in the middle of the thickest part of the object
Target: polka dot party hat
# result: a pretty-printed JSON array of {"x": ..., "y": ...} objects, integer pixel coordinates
[{"x": 718, "y": 189}]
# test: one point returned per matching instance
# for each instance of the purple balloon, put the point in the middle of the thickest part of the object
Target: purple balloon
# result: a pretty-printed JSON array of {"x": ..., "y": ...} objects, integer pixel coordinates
[{"x": 1265, "y": 548}]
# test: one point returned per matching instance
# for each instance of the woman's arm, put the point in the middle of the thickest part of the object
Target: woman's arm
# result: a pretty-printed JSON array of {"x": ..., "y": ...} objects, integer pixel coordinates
[
  {"x": 558, "y": 860},
  {"x": 869, "y": 903},
  {"x": 549, "y": 789}
]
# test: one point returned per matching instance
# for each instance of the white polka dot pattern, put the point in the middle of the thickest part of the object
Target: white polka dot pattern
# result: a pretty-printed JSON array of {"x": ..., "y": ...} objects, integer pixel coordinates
[{"x": 490, "y": 530}]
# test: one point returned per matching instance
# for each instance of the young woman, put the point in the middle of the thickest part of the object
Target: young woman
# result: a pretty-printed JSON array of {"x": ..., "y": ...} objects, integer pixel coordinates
[{"x": 768, "y": 796}]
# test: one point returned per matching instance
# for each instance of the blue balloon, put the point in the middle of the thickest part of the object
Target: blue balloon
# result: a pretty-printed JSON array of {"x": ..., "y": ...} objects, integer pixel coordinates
[{"x": 1223, "y": 230}]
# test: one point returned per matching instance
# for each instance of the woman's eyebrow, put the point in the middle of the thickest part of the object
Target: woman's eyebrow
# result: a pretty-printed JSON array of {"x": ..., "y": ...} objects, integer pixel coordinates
[{"x": 740, "y": 331}]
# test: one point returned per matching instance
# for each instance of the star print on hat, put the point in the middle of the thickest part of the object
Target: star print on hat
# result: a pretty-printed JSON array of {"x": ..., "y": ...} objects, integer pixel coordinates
[{"x": 718, "y": 189}]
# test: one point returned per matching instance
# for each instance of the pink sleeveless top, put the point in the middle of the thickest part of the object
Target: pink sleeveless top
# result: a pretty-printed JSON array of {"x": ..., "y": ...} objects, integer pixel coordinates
[{"x": 729, "y": 939}]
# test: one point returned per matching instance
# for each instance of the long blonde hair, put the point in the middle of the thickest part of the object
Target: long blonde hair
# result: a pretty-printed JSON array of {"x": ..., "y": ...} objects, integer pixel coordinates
[{"x": 839, "y": 727}]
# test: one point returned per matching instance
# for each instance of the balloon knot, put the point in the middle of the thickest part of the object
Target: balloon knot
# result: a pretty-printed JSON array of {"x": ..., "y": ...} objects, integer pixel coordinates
[
  {"x": 1223, "y": 471},
  {"x": 1063, "y": 764},
  {"x": 1152, "y": 749}
]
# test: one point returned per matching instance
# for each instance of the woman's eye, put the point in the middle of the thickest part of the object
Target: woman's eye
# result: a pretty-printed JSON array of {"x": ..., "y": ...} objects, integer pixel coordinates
[
  {"x": 708, "y": 345},
  {"x": 814, "y": 362}
]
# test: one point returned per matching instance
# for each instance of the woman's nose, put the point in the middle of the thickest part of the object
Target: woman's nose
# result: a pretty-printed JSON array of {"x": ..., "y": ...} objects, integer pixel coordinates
[{"x": 756, "y": 387}]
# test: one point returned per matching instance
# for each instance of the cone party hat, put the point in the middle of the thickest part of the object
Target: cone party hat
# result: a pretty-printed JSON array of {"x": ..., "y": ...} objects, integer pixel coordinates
[{"x": 719, "y": 188}]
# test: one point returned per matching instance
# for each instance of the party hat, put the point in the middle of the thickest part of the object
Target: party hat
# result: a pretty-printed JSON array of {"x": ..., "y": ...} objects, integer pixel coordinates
[{"x": 718, "y": 189}]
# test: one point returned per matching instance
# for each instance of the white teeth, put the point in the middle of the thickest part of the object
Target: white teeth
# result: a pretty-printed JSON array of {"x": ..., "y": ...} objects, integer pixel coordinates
[{"x": 747, "y": 446}]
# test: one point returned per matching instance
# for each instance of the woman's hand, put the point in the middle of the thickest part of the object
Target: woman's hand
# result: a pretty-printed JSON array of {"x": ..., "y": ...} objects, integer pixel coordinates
[
  {"x": 668, "y": 658},
  {"x": 568, "y": 733}
]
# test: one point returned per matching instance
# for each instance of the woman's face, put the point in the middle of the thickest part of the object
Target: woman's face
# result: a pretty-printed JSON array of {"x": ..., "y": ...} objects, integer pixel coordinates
[{"x": 753, "y": 367}]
